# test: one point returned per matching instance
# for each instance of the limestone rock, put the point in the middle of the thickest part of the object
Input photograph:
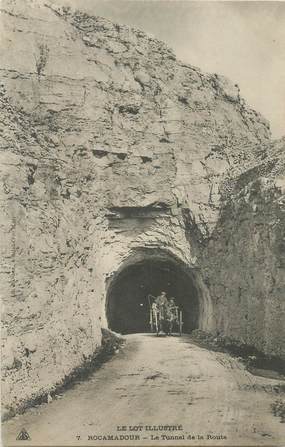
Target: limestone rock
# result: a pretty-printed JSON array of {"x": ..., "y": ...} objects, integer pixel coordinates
[{"x": 112, "y": 148}]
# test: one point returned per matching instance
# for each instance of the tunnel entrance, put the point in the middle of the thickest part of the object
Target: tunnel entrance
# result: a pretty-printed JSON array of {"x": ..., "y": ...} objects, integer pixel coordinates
[{"x": 127, "y": 302}]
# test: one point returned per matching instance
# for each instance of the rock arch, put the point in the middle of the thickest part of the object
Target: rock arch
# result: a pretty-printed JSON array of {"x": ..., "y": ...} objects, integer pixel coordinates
[{"x": 150, "y": 271}]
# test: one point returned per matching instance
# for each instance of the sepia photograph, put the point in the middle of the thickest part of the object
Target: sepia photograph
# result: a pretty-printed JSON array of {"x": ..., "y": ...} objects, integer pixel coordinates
[{"x": 142, "y": 223}]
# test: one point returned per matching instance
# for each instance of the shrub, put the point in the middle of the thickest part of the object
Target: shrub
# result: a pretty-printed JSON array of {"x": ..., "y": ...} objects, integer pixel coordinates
[{"x": 41, "y": 58}]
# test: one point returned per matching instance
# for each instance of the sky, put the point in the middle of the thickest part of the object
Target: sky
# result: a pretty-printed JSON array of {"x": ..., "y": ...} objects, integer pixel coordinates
[{"x": 244, "y": 41}]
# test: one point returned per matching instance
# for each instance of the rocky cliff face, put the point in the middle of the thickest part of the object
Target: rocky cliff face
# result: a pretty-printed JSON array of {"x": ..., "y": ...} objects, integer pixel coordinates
[
  {"x": 109, "y": 146},
  {"x": 245, "y": 257}
]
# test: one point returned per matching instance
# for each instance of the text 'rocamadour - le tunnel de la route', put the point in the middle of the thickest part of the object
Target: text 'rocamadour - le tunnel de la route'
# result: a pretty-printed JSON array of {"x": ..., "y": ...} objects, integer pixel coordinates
[{"x": 127, "y": 304}]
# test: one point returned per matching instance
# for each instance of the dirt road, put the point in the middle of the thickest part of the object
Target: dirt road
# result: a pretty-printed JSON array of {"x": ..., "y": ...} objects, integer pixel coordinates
[{"x": 208, "y": 399}]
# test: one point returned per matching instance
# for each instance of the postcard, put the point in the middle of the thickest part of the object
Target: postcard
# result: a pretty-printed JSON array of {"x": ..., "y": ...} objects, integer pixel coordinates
[{"x": 142, "y": 223}]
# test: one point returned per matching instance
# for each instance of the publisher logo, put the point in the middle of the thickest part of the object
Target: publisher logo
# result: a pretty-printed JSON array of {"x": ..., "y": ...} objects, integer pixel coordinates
[{"x": 23, "y": 435}]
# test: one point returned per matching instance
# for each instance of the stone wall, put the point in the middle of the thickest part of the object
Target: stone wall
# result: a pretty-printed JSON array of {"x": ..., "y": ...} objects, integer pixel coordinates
[
  {"x": 244, "y": 263},
  {"x": 109, "y": 144}
]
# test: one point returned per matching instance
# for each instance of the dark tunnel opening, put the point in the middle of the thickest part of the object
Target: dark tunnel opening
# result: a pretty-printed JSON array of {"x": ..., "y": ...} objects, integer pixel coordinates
[{"x": 127, "y": 298}]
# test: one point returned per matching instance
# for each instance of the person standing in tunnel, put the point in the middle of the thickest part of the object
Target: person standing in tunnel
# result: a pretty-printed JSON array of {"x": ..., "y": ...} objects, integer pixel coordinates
[
  {"x": 161, "y": 300},
  {"x": 172, "y": 314},
  {"x": 161, "y": 303}
]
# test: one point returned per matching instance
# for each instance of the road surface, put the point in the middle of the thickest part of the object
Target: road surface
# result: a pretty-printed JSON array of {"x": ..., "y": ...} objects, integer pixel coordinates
[{"x": 163, "y": 391}]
